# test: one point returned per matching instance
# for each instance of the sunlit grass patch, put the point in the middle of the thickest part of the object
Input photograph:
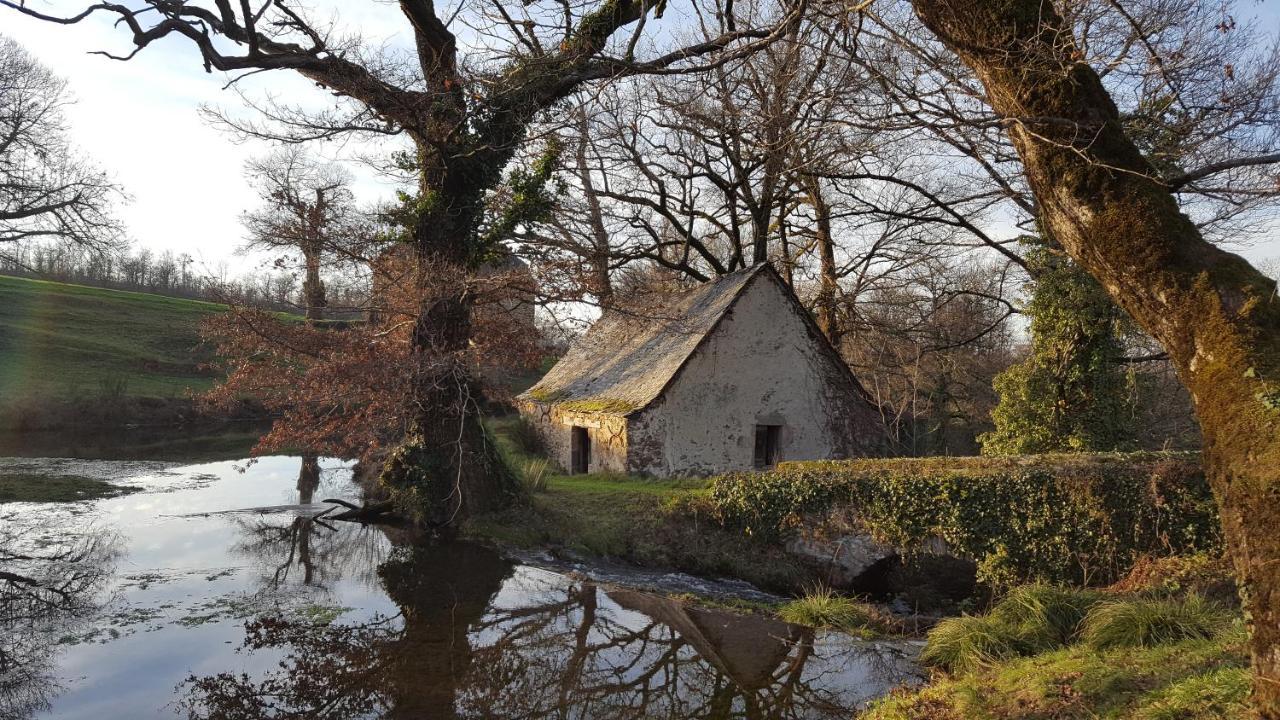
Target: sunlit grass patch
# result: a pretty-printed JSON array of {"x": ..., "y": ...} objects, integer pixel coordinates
[
  {"x": 1144, "y": 622},
  {"x": 822, "y": 607},
  {"x": 1192, "y": 680},
  {"x": 1217, "y": 693}
]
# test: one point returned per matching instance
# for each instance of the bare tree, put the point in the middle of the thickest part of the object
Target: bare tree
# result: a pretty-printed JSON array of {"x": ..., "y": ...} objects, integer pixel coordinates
[
  {"x": 46, "y": 191},
  {"x": 307, "y": 208}
]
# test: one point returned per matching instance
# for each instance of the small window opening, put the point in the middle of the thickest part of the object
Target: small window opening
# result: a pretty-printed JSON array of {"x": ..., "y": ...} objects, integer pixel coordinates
[
  {"x": 580, "y": 449},
  {"x": 767, "y": 445}
]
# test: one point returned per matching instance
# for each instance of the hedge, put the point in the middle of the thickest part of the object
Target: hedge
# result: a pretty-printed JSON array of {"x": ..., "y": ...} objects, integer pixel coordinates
[{"x": 1077, "y": 518}]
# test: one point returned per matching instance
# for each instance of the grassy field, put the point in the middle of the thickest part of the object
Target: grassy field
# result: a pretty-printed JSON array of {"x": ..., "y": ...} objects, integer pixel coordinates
[{"x": 61, "y": 341}]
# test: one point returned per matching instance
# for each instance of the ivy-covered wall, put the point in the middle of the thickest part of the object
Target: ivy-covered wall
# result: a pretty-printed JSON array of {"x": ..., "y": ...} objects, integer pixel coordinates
[{"x": 1078, "y": 518}]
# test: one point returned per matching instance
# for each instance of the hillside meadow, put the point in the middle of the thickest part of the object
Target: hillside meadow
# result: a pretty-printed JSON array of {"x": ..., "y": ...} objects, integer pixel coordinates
[{"x": 69, "y": 341}]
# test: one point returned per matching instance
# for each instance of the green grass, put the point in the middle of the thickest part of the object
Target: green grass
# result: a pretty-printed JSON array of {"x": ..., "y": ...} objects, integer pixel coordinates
[
  {"x": 1046, "y": 653},
  {"x": 1145, "y": 622},
  {"x": 822, "y": 607},
  {"x": 1191, "y": 680},
  {"x": 57, "y": 488},
  {"x": 648, "y": 522},
  {"x": 1030, "y": 619},
  {"x": 62, "y": 341}
]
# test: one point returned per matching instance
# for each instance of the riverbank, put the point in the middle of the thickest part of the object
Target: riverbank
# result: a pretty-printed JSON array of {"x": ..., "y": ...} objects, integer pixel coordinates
[
  {"x": 649, "y": 523},
  {"x": 1166, "y": 643},
  {"x": 675, "y": 524}
]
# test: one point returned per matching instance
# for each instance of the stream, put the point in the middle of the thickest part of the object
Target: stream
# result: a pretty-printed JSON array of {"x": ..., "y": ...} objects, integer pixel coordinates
[{"x": 214, "y": 591}]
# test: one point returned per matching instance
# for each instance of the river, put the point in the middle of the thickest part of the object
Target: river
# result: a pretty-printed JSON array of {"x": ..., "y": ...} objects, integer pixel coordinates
[{"x": 214, "y": 591}]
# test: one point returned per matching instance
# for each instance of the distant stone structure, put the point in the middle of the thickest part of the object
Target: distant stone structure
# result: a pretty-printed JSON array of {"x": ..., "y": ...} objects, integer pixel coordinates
[
  {"x": 505, "y": 286},
  {"x": 731, "y": 375}
]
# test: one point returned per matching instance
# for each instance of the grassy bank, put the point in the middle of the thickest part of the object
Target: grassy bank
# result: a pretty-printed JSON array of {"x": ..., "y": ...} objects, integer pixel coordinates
[
  {"x": 652, "y": 523},
  {"x": 77, "y": 355},
  {"x": 1166, "y": 643},
  {"x": 65, "y": 341}
]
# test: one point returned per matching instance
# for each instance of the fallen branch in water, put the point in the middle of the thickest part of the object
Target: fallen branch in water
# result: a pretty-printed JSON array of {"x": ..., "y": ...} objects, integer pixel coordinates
[{"x": 382, "y": 511}]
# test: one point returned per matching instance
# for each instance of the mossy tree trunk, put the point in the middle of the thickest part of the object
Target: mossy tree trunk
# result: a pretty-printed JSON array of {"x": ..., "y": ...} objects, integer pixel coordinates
[
  {"x": 445, "y": 468},
  {"x": 1217, "y": 316}
]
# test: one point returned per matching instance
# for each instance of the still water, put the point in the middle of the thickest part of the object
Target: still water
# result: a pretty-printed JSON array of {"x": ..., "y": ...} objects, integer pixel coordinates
[{"x": 215, "y": 592}]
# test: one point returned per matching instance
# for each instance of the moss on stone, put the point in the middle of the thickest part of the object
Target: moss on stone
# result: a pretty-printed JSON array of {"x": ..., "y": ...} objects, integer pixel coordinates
[{"x": 612, "y": 406}]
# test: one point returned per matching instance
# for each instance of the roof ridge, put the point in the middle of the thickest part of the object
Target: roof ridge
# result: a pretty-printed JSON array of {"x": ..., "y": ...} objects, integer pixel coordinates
[{"x": 625, "y": 362}]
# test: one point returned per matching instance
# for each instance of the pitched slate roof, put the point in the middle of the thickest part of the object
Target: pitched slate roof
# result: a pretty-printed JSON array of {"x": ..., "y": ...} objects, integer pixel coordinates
[{"x": 626, "y": 359}]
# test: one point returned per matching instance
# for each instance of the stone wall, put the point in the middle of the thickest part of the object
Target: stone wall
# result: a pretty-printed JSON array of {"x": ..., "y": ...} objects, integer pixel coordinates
[
  {"x": 608, "y": 435},
  {"x": 760, "y": 366}
]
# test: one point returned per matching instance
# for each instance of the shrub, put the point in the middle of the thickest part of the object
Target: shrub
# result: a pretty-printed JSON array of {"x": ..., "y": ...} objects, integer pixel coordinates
[
  {"x": 1145, "y": 622},
  {"x": 1057, "y": 518},
  {"x": 820, "y": 607}
]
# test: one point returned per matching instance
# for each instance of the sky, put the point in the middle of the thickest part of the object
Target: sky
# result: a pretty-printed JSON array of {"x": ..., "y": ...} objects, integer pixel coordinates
[{"x": 139, "y": 120}]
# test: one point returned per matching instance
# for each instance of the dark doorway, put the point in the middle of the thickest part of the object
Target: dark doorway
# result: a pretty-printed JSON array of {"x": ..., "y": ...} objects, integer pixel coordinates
[
  {"x": 768, "y": 443},
  {"x": 580, "y": 449}
]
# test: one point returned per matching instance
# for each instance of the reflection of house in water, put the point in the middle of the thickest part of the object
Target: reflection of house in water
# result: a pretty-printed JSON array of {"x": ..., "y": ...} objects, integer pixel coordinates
[
  {"x": 730, "y": 375},
  {"x": 476, "y": 636},
  {"x": 750, "y": 650}
]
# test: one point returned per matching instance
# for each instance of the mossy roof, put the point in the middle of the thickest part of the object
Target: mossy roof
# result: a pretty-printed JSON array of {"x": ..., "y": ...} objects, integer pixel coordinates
[{"x": 629, "y": 356}]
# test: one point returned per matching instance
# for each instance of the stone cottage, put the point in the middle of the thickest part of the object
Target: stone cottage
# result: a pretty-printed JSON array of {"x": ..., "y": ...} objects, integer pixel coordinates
[{"x": 731, "y": 375}]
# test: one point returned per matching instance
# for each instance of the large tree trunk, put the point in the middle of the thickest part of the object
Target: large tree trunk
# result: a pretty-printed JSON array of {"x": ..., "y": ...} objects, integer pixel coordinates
[
  {"x": 445, "y": 469},
  {"x": 312, "y": 286},
  {"x": 1218, "y": 317}
]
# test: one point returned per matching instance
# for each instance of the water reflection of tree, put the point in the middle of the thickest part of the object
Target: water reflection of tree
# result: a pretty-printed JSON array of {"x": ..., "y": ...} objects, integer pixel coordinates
[
  {"x": 406, "y": 666},
  {"x": 306, "y": 548},
  {"x": 50, "y": 579},
  {"x": 462, "y": 648}
]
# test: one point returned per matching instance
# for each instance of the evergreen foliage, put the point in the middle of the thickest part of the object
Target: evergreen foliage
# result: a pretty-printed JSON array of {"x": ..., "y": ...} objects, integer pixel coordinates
[
  {"x": 1078, "y": 518},
  {"x": 1069, "y": 394}
]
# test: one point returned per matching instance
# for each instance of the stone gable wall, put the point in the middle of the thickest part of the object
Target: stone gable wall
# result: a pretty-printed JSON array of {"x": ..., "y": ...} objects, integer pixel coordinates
[{"x": 760, "y": 366}]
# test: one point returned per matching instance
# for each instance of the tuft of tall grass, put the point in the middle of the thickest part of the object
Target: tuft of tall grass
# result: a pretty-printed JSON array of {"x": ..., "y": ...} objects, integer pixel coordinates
[
  {"x": 534, "y": 475},
  {"x": 821, "y": 607},
  {"x": 1046, "y": 616},
  {"x": 526, "y": 437},
  {"x": 970, "y": 642},
  {"x": 1029, "y": 620},
  {"x": 1144, "y": 622}
]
